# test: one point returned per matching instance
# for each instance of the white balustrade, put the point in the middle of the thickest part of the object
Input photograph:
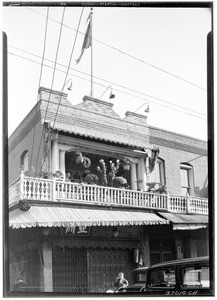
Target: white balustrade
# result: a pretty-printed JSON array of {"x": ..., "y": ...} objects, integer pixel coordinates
[
  {"x": 181, "y": 204},
  {"x": 55, "y": 190}
]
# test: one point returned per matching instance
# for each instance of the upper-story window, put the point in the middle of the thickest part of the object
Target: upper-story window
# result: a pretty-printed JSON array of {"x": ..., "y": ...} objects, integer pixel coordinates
[
  {"x": 24, "y": 161},
  {"x": 158, "y": 174},
  {"x": 187, "y": 184}
]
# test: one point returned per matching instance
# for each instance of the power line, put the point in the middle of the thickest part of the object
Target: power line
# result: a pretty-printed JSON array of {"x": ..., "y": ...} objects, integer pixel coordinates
[
  {"x": 115, "y": 88},
  {"x": 70, "y": 59},
  {"x": 113, "y": 83},
  {"x": 129, "y": 55},
  {"x": 36, "y": 107},
  {"x": 54, "y": 71}
]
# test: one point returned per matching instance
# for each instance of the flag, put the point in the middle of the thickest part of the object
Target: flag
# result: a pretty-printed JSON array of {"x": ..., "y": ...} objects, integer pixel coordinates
[{"x": 86, "y": 43}]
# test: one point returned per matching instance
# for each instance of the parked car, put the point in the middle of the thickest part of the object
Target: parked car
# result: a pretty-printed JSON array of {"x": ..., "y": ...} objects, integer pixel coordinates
[
  {"x": 181, "y": 277},
  {"x": 139, "y": 281}
]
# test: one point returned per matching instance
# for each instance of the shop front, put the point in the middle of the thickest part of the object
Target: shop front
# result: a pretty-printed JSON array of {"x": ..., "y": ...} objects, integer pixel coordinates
[{"x": 56, "y": 254}]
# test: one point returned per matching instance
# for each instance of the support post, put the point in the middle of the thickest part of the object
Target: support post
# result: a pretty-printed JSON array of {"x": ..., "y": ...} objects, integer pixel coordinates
[
  {"x": 188, "y": 205},
  {"x": 179, "y": 248},
  {"x": 133, "y": 177},
  {"x": 142, "y": 173},
  {"x": 55, "y": 156},
  {"x": 147, "y": 169},
  {"x": 54, "y": 188},
  {"x": 47, "y": 270},
  {"x": 62, "y": 162},
  {"x": 147, "y": 257}
]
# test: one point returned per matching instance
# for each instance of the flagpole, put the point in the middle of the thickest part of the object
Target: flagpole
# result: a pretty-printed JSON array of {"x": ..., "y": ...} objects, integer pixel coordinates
[{"x": 91, "y": 17}]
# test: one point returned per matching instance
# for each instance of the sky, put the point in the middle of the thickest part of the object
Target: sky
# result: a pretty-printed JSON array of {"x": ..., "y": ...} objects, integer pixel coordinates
[{"x": 148, "y": 56}]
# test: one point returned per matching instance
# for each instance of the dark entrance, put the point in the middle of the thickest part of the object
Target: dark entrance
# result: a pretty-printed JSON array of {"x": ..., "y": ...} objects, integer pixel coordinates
[
  {"x": 162, "y": 250},
  {"x": 93, "y": 270}
]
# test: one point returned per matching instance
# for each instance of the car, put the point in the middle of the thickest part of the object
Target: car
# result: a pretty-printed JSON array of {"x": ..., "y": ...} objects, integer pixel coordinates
[
  {"x": 181, "y": 277},
  {"x": 139, "y": 281}
]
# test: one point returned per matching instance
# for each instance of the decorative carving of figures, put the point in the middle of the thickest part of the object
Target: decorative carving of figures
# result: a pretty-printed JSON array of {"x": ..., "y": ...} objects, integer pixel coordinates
[
  {"x": 114, "y": 169},
  {"x": 80, "y": 159},
  {"x": 102, "y": 169},
  {"x": 152, "y": 160},
  {"x": 24, "y": 205},
  {"x": 47, "y": 139}
]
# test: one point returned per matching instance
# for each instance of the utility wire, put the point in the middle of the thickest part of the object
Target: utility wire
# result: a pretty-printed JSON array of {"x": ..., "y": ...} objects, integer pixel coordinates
[
  {"x": 129, "y": 55},
  {"x": 112, "y": 83},
  {"x": 118, "y": 90},
  {"x": 36, "y": 107},
  {"x": 65, "y": 78},
  {"x": 54, "y": 71}
]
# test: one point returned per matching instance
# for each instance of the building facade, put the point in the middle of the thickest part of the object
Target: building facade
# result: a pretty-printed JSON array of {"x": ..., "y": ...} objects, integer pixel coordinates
[{"x": 92, "y": 194}]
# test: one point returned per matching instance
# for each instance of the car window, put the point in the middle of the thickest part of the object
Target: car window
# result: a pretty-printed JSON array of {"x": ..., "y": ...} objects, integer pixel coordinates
[
  {"x": 141, "y": 277},
  {"x": 195, "y": 277},
  {"x": 164, "y": 278}
]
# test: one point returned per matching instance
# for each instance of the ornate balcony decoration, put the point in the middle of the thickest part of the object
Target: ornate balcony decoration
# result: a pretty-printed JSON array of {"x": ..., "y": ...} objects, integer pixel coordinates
[{"x": 39, "y": 189}]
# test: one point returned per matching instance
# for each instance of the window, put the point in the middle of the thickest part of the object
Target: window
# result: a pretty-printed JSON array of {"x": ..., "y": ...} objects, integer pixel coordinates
[
  {"x": 141, "y": 277},
  {"x": 157, "y": 175},
  {"x": 195, "y": 276},
  {"x": 24, "y": 161},
  {"x": 186, "y": 174},
  {"x": 164, "y": 277}
]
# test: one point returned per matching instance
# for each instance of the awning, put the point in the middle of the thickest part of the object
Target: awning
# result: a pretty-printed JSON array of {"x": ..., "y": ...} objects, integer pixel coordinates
[
  {"x": 100, "y": 133},
  {"x": 186, "y": 222},
  {"x": 71, "y": 217}
]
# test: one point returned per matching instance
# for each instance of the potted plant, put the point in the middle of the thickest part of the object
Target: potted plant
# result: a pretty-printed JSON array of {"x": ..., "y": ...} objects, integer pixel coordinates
[
  {"x": 44, "y": 174},
  {"x": 114, "y": 170},
  {"x": 58, "y": 175},
  {"x": 91, "y": 179},
  {"x": 162, "y": 189},
  {"x": 151, "y": 186},
  {"x": 119, "y": 182},
  {"x": 102, "y": 170}
]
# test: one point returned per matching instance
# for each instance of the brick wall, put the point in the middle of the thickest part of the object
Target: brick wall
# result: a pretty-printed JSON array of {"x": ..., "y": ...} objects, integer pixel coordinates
[{"x": 176, "y": 149}]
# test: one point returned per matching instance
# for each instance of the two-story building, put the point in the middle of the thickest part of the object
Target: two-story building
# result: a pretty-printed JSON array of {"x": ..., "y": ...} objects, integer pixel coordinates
[{"x": 92, "y": 194}]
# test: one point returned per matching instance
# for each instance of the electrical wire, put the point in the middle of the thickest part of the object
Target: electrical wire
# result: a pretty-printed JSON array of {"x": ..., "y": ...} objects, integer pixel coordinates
[
  {"x": 36, "y": 107},
  {"x": 65, "y": 79},
  {"x": 129, "y": 55},
  {"x": 54, "y": 71},
  {"x": 115, "y": 84},
  {"x": 112, "y": 83}
]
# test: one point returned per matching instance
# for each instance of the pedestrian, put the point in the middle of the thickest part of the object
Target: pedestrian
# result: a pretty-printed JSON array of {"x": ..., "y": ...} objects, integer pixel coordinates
[
  {"x": 121, "y": 281},
  {"x": 68, "y": 176}
]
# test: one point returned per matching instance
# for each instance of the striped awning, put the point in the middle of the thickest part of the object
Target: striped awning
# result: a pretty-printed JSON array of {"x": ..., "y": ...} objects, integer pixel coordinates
[
  {"x": 40, "y": 216},
  {"x": 186, "y": 221},
  {"x": 117, "y": 135}
]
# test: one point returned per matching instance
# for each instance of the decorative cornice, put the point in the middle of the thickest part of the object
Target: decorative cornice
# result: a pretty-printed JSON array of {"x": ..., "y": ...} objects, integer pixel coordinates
[
  {"x": 87, "y": 98},
  {"x": 49, "y": 91},
  {"x": 133, "y": 114}
]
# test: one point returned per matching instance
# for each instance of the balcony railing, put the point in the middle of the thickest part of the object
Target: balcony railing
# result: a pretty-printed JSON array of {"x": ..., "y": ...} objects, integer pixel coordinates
[{"x": 59, "y": 191}]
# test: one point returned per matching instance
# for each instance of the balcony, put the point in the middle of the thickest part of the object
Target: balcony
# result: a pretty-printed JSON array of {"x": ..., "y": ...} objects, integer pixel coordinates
[{"x": 67, "y": 192}]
